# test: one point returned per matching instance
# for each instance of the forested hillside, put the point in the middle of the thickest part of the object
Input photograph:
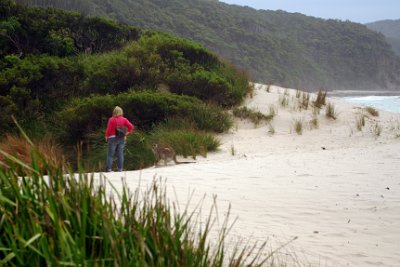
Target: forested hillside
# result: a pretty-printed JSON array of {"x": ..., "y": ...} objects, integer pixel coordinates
[
  {"x": 61, "y": 75},
  {"x": 391, "y": 30},
  {"x": 288, "y": 49}
]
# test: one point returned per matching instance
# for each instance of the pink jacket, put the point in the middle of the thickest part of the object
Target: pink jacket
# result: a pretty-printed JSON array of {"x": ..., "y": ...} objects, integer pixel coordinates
[{"x": 115, "y": 122}]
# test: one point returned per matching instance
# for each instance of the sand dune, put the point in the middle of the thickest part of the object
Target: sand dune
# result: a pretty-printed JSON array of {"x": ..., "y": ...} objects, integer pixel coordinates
[{"x": 334, "y": 187}]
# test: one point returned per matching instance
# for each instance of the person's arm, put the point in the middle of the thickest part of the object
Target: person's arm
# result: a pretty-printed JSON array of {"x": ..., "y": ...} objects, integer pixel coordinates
[
  {"x": 130, "y": 127},
  {"x": 108, "y": 129}
]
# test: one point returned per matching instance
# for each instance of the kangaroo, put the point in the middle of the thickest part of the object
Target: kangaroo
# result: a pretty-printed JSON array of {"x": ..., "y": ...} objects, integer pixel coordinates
[{"x": 165, "y": 153}]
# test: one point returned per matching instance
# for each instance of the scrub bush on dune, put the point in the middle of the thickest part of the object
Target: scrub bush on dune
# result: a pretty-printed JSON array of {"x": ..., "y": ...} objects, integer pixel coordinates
[{"x": 144, "y": 109}]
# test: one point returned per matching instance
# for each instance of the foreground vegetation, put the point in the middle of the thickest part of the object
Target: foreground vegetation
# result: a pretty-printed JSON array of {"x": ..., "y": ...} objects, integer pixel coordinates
[
  {"x": 62, "y": 74},
  {"x": 75, "y": 220}
]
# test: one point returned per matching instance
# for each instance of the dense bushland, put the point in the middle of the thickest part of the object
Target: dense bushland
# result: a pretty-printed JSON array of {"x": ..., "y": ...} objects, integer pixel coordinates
[
  {"x": 276, "y": 47},
  {"x": 145, "y": 109},
  {"x": 153, "y": 76},
  {"x": 149, "y": 111},
  {"x": 56, "y": 32}
]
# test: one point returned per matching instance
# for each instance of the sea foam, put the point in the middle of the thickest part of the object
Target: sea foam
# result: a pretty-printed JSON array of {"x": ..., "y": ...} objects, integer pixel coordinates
[{"x": 386, "y": 103}]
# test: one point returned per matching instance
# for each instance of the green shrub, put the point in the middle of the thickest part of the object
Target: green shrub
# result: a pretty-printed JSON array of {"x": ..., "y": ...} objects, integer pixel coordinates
[
  {"x": 170, "y": 47},
  {"x": 114, "y": 72},
  {"x": 187, "y": 143},
  {"x": 183, "y": 137},
  {"x": 137, "y": 153},
  {"x": 184, "y": 66},
  {"x": 33, "y": 87},
  {"x": 194, "y": 71},
  {"x": 144, "y": 109},
  {"x": 59, "y": 33},
  {"x": 205, "y": 85}
]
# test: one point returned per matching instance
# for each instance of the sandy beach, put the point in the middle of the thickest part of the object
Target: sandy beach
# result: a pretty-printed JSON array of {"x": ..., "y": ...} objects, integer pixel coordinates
[{"x": 334, "y": 187}]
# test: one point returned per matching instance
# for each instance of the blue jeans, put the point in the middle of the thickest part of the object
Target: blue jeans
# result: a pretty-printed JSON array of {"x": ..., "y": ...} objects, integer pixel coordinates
[{"x": 115, "y": 145}]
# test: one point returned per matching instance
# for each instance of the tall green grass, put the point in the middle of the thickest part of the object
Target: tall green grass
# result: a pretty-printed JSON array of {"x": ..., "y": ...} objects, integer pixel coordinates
[
  {"x": 75, "y": 220},
  {"x": 187, "y": 143}
]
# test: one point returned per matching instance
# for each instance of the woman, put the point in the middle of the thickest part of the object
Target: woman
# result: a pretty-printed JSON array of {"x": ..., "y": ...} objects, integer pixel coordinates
[{"x": 116, "y": 143}]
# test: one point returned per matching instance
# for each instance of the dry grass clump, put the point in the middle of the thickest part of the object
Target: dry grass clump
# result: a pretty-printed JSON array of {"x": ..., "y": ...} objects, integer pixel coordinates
[
  {"x": 360, "y": 122},
  {"x": 304, "y": 100},
  {"x": 321, "y": 99},
  {"x": 21, "y": 148},
  {"x": 298, "y": 126},
  {"x": 314, "y": 123},
  {"x": 372, "y": 111},
  {"x": 330, "y": 111},
  {"x": 284, "y": 101}
]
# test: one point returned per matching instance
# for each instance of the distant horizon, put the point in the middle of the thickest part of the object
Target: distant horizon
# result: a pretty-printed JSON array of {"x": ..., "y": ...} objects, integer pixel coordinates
[{"x": 360, "y": 11}]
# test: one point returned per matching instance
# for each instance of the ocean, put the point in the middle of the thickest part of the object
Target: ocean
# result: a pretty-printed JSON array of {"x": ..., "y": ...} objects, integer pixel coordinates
[{"x": 387, "y": 101}]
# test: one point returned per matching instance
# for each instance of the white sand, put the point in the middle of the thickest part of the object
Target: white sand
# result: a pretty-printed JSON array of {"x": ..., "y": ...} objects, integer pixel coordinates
[{"x": 342, "y": 202}]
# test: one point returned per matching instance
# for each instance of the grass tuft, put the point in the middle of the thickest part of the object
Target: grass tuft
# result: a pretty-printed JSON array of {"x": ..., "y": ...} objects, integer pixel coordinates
[
  {"x": 360, "y": 122},
  {"x": 330, "y": 111},
  {"x": 321, "y": 99},
  {"x": 372, "y": 111},
  {"x": 304, "y": 100},
  {"x": 255, "y": 116},
  {"x": 233, "y": 150},
  {"x": 314, "y": 123},
  {"x": 284, "y": 101},
  {"x": 298, "y": 126}
]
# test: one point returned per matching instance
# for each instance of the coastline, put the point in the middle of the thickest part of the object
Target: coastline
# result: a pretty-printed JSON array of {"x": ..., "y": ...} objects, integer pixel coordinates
[{"x": 360, "y": 93}]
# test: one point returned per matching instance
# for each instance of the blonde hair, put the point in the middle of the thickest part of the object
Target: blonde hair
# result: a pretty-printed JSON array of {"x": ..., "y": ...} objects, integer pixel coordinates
[{"x": 117, "y": 112}]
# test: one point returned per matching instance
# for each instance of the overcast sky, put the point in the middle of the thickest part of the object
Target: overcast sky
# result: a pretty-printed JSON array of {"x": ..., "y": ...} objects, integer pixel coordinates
[{"x": 361, "y": 11}]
